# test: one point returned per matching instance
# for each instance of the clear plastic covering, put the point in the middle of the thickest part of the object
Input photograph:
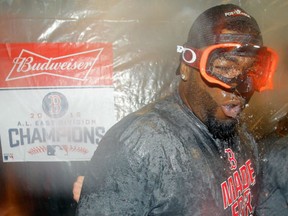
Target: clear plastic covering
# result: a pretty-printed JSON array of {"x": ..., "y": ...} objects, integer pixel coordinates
[{"x": 144, "y": 36}]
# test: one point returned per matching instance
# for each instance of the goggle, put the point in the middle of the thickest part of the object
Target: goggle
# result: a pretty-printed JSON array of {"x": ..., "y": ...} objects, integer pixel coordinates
[{"x": 244, "y": 68}]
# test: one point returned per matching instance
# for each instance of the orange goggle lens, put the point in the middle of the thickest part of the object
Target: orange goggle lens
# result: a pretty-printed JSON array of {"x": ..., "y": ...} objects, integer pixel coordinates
[{"x": 232, "y": 65}]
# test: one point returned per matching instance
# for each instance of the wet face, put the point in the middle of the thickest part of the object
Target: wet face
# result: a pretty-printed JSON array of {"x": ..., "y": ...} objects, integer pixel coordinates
[{"x": 217, "y": 108}]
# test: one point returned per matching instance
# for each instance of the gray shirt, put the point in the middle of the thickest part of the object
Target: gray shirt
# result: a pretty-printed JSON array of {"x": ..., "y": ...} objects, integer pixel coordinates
[{"x": 162, "y": 160}]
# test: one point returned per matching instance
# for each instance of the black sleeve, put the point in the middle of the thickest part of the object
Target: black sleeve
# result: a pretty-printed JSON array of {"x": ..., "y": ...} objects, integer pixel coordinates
[
  {"x": 125, "y": 173},
  {"x": 273, "y": 197}
]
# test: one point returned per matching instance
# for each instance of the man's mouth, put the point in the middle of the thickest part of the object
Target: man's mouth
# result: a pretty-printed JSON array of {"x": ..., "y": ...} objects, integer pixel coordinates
[{"x": 232, "y": 110}]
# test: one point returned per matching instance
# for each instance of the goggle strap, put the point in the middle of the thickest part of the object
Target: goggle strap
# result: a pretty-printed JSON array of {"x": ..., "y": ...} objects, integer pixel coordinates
[
  {"x": 238, "y": 38},
  {"x": 191, "y": 56}
]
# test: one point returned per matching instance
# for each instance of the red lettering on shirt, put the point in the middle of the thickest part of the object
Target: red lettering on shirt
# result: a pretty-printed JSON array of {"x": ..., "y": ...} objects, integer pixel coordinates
[
  {"x": 231, "y": 158},
  {"x": 236, "y": 191},
  {"x": 250, "y": 171}
]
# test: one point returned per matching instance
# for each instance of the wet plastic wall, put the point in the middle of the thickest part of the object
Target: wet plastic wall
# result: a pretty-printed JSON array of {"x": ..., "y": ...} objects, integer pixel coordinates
[{"x": 144, "y": 35}]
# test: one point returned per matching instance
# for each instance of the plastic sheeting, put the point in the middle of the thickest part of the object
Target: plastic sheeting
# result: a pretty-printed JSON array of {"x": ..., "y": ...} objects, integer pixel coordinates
[{"x": 144, "y": 36}]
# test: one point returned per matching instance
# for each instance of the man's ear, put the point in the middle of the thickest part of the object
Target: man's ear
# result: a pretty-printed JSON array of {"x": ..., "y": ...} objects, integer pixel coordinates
[{"x": 185, "y": 71}]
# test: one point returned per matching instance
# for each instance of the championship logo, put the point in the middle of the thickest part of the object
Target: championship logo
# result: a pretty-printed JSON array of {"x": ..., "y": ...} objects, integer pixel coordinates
[
  {"x": 55, "y": 105},
  {"x": 48, "y": 80}
]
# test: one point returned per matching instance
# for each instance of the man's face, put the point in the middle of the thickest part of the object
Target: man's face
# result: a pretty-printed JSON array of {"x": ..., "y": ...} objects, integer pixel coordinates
[
  {"x": 216, "y": 107},
  {"x": 220, "y": 79}
]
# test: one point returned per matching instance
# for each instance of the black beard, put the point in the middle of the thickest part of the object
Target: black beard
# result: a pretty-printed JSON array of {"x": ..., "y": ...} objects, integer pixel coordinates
[{"x": 224, "y": 130}]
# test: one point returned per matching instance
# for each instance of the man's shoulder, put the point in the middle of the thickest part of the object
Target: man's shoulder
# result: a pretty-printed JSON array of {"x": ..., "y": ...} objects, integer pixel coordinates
[{"x": 150, "y": 117}]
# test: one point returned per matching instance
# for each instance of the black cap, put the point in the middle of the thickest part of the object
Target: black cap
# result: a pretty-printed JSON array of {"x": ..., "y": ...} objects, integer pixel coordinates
[{"x": 207, "y": 27}]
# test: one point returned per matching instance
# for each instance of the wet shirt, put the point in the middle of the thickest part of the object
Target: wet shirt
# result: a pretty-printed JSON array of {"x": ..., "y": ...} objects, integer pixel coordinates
[
  {"x": 161, "y": 160},
  {"x": 273, "y": 196}
]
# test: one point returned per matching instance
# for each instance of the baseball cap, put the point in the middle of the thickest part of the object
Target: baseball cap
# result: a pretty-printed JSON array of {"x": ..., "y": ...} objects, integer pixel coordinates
[{"x": 211, "y": 22}]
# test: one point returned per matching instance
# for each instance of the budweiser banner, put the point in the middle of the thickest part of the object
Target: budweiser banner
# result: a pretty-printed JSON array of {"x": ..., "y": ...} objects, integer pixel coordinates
[{"x": 58, "y": 100}]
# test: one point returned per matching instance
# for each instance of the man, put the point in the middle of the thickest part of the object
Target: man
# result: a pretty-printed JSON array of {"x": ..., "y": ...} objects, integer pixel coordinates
[
  {"x": 273, "y": 197},
  {"x": 187, "y": 154}
]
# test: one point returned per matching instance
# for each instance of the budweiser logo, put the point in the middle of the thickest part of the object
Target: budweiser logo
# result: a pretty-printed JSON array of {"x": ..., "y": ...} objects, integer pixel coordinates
[{"x": 75, "y": 66}]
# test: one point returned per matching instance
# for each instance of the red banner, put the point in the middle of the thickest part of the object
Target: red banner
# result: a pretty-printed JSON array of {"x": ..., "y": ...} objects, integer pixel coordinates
[{"x": 55, "y": 64}]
